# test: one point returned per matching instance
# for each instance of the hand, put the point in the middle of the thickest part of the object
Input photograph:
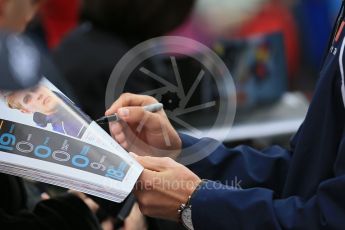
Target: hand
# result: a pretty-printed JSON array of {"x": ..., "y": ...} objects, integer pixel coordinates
[
  {"x": 45, "y": 196},
  {"x": 142, "y": 131},
  {"x": 136, "y": 220},
  {"x": 93, "y": 206},
  {"x": 108, "y": 223},
  {"x": 163, "y": 186}
]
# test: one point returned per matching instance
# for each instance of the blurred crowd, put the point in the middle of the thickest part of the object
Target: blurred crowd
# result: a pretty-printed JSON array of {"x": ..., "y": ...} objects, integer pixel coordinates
[{"x": 85, "y": 39}]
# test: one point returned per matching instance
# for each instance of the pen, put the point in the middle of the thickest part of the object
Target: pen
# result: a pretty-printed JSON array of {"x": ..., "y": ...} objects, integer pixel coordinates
[{"x": 150, "y": 108}]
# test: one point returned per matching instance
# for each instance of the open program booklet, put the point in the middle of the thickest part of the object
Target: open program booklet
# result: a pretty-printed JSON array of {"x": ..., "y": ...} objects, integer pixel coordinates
[{"x": 45, "y": 137}]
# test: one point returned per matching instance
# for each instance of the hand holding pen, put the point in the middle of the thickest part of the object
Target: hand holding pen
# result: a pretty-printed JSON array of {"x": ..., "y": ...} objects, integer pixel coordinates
[
  {"x": 115, "y": 117},
  {"x": 152, "y": 134},
  {"x": 144, "y": 128}
]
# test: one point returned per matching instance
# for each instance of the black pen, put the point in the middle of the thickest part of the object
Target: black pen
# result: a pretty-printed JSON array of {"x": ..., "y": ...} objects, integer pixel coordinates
[{"x": 113, "y": 118}]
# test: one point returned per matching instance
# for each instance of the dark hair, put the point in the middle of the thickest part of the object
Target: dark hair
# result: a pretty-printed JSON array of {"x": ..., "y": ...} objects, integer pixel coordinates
[{"x": 137, "y": 19}]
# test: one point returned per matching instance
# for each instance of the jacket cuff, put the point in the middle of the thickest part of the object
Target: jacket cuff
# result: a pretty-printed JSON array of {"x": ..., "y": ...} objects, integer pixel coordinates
[
  {"x": 219, "y": 206},
  {"x": 195, "y": 150},
  {"x": 187, "y": 141}
]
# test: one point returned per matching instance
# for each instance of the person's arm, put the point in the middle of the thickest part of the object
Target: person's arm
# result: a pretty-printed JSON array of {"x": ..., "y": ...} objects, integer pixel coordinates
[
  {"x": 152, "y": 134},
  {"x": 164, "y": 185},
  {"x": 215, "y": 206},
  {"x": 65, "y": 212},
  {"x": 242, "y": 166}
]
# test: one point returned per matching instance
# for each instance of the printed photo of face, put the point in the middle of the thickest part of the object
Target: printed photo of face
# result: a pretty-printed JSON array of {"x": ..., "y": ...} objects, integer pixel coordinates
[{"x": 38, "y": 99}]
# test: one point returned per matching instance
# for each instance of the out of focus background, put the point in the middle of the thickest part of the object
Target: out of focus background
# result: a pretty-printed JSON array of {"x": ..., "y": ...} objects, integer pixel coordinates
[{"x": 274, "y": 50}]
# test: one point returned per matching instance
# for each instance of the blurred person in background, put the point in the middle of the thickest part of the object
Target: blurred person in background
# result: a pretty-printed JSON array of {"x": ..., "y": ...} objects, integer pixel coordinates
[
  {"x": 53, "y": 21},
  {"x": 109, "y": 29},
  {"x": 15, "y": 15},
  {"x": 70, "y": 211},
  {"x": 234, "y": 30},
  {"x": 58, "y": 18},
  {"x": 242, "y": 19},
  {"x": 274, "y": 16},
  {"x": 315, "y": 19}
]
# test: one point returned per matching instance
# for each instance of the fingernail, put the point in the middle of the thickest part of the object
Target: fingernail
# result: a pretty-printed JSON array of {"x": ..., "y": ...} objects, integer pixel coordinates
[{"x": 123, "y": 112}]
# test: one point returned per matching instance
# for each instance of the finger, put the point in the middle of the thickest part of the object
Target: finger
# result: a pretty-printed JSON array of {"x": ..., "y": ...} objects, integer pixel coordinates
[
  {"x": 107, "y": 224},
  {"x": 116, "y": 128},
  {"x": 126, "y": 139},
  {"x": 128, "y": 99},
  {"x": 157, "y": 164},
  {"x": 135, "y": 220},
  {"x": 45, "y": 196},
  {"x": 133, "y": 154},
  {"x": 125, "y": 145},
  {"x": 93, "y": 206},
  {"x": 141, "y": 118},
  {"x": 78, "y": 194},
  {"x": 120, "y": 138}
]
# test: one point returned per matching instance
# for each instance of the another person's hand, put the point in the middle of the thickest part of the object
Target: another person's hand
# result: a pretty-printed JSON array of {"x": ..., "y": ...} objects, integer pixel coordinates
[
  {"x": 141, "y": 131},
  {"x": 93, "y": 206},
  {"x": 107, "y": 224},
  {"x": 163, "y": 186},
  {"x": 136, "y": 220}
]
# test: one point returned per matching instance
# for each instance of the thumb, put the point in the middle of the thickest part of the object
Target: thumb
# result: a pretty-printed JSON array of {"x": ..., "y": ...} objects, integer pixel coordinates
[{"x": 157, "y": 164}]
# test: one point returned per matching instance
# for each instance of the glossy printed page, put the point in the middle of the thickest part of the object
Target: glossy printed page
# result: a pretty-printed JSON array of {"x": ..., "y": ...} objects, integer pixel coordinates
[{"x": 46, "y": 137}]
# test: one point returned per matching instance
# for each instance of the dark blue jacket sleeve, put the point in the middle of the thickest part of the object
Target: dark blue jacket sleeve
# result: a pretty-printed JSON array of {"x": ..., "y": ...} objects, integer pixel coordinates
[
  {"x": 215, "y": 206},
  {"x": 245, "y": 192},
  {"x": 242, "y": 167}
]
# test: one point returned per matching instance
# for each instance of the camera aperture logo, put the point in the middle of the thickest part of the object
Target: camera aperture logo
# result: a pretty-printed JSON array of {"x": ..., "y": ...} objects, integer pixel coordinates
[{"x": 189, "y": 79}]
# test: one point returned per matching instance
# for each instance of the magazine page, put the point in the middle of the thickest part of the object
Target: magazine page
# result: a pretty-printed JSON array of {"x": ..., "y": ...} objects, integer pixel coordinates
[{"x": 45, "y": 137}]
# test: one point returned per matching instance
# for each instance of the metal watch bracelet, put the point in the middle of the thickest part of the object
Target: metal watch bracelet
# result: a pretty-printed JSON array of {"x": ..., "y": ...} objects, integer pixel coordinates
[{"x": 188, "y": 203}]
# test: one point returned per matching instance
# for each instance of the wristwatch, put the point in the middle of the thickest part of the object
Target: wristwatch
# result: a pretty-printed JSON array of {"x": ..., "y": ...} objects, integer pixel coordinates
[{"x": 185, "y": 210}]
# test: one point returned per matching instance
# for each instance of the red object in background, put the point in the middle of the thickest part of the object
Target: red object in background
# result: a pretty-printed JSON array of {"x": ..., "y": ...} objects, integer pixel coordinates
[
  {"x": 274, "y": 18},
  {"x": 58, "y": 18}
]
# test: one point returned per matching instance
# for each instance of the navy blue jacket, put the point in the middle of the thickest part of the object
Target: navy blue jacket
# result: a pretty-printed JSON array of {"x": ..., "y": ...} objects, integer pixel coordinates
[{"x": 300, "y": 188}]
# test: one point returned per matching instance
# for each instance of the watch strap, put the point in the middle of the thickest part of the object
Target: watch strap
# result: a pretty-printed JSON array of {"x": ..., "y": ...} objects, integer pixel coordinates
[{"x": 188, "y": 203}]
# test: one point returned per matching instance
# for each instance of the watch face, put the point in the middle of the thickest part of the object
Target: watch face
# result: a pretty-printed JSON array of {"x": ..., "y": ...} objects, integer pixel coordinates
[{"x": 187, "y": 218}]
